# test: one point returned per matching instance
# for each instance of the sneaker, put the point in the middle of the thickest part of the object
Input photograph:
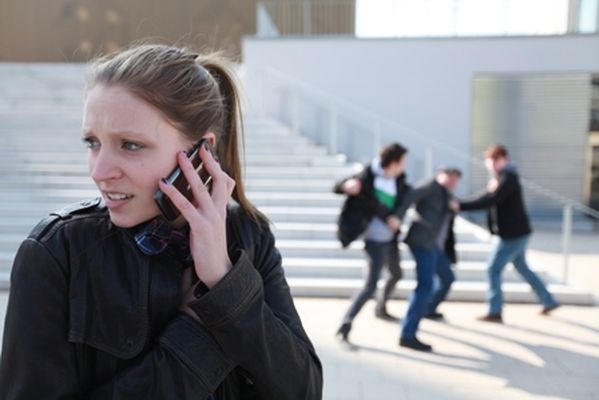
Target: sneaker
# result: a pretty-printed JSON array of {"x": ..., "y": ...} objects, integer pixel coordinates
[
  {"x": 383, "y": 314},
  {"x": 491, "y": 318},
  {"x": 343, "y": 332},
  {"x": 415, "y": 344},
  {"x": 547, "y": 309},
  {"x": 434, "y": 315}
]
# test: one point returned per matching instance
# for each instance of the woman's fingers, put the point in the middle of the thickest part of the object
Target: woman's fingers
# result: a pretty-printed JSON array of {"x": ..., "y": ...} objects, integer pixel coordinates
[
  {"x": 214, "y": 200},
  {"x": 222, "y": 184},
  {"x": 198, "y": 188},
  {"x": 188, "y": 210}
]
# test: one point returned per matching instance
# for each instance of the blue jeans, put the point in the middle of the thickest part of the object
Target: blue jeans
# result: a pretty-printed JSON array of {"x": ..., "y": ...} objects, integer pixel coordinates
[
  {"x": 426, "y": 263},
  {"x": 513, "y": 250},
  {"x": 379, "y": 254},
  {"x": 446, "y": 278}
]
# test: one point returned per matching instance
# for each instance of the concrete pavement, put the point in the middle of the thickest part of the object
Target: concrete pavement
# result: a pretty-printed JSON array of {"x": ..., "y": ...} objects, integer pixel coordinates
[{"x": 529, "y": 357}]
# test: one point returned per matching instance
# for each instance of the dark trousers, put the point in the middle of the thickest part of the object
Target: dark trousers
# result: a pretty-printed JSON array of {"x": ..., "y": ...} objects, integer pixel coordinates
[{"x": 379, "y": 254}]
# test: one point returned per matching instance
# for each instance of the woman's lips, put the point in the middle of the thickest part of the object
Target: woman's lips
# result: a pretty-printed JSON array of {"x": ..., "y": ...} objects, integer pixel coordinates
[{"x": 116, "y": 199}]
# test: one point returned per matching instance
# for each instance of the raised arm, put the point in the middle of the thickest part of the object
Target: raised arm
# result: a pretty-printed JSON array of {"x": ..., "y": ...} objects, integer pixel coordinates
[
  {"x": 506, "y": 185},
  {"x": 413, "y": 196}
]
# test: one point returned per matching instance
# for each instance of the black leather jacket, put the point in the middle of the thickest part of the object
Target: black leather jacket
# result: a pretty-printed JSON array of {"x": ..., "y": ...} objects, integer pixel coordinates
[{"x": 92, "y": 317}]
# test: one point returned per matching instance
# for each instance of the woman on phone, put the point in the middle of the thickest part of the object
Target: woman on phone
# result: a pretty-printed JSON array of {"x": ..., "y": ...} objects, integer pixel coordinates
[{"x": 109, "y": 300}]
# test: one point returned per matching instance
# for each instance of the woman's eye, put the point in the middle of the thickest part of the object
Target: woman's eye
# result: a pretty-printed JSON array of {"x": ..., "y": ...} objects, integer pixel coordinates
[
  {"x": 131, "y": 146},
  {"x": 91, "y": 143}
]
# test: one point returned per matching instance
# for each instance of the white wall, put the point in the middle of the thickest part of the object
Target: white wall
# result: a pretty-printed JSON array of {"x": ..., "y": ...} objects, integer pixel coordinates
[{"x": 423, "y": 84}]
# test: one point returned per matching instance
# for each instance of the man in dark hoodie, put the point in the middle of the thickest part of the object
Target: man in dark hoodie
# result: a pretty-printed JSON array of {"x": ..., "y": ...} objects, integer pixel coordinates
[
  {"x": 507, "y": 218},
  {"x": 373, "y": 196},
  {"x": 432, "y": 243}
]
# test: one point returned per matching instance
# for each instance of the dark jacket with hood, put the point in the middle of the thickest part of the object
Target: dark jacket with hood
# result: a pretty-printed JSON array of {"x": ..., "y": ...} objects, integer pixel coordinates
[
  {"x": 357, "y": 211},
  {"x": 92, "y": 317},
  {"x": 431, "y": 201},
  {"x": 506, "y": 215}
]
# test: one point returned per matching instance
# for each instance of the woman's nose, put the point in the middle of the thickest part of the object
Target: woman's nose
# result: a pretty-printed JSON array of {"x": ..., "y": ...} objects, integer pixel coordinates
[{"x": 103, "y": 166}]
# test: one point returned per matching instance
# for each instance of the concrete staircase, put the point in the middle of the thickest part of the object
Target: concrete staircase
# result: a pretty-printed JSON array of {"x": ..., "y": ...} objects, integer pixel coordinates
[{"x": 43, "y": 167}]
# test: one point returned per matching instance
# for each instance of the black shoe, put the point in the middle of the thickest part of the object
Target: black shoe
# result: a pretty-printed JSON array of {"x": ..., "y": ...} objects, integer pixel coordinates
[
  {"x": 491, "y": 318},
  {"x": 383, "y": 314},
  {"x": 547, "y": 310},
  {"x": 343, "y": 332},
  {"x": 415, "y": 344},
  {"x": 434, "y": 315}
]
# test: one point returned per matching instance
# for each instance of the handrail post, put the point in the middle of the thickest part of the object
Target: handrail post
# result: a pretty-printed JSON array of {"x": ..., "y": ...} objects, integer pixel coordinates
[
  {"x": 333, "y": 130},
  {"x": 376, "y": 137},
  {"x": 566, "y": 240},
  {"x": 295, "y": 114},
  {"x": 428, "y": 162},
  {"x": 307, "y": 18}
]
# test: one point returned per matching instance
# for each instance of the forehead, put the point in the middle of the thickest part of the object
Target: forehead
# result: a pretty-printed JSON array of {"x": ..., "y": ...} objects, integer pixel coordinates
[{"x": 114, "y": 108}]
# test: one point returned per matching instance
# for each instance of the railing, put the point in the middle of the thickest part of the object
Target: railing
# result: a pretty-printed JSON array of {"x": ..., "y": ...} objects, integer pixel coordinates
[
  {"x": 426, "y": 18},
  {"x": 594, "y": 126},
  {"x": 332, "y": 17},
  {"x": 358, "y": 133}
]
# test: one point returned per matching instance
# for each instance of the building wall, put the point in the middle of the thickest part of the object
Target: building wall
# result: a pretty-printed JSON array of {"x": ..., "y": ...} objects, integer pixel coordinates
[
  {"x": 427, "y": 86},
  {"x": 75, "y": 30},
  {"x": 544, "y": 118}
]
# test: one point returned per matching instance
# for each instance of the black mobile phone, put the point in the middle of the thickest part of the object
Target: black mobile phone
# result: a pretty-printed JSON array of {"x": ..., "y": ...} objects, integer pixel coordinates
[{"x": 177, "y": 179}]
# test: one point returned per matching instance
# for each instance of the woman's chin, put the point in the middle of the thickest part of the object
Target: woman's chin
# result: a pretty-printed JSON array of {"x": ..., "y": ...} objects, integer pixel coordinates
[{"x": 128, "y": 221}]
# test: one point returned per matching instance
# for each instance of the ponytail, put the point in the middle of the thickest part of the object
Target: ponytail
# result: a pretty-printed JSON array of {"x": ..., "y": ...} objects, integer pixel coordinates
[{"x": 232, "y": 139}]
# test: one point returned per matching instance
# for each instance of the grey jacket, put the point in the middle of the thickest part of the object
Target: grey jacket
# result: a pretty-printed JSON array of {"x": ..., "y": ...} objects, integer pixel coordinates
[{"x": 431, "y": 200}]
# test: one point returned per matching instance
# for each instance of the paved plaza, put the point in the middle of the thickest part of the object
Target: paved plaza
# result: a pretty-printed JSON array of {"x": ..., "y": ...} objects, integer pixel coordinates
[{"x": 529, "y": 357}]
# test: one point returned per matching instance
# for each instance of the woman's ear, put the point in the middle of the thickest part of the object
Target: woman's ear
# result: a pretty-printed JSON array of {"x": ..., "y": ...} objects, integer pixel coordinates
[{"x": 210, "y": 137}]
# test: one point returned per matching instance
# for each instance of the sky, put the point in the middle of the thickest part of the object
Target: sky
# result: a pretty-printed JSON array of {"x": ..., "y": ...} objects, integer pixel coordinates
[{"x": 400, "y": 18}]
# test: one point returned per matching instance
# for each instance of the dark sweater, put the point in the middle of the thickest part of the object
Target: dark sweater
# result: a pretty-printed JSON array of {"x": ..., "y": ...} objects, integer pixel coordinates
[{"x": 506, "y": 215}]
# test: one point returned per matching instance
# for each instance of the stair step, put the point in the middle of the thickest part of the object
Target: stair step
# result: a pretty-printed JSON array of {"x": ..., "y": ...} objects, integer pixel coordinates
[
  {"x": 297, "y": 267},
  {"x": 333, "y": 173},
  {"x": 288, "y": 185},
  {"x": 332, "y": 249},
  {"x": 460, "y": 291},
  {"x": 327, "y": 231},
  {"x": 300, "y": 213}
]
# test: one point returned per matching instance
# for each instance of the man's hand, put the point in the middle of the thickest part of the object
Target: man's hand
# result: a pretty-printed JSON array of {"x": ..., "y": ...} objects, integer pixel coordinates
[
  {"x": 352, "y": 187},
  {"x": 393, "y": 223},
  {"x": 454, "y": 205},
  {"x": 492, "y": 185}
]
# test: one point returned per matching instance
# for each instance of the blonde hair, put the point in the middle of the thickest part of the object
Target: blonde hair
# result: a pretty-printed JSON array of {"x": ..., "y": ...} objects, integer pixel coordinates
[{"x": 195, "y": 92}]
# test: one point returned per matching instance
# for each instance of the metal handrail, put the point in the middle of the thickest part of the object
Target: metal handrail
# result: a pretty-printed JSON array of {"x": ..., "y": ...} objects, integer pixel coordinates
[
  {"x": 336, "y": 103},
  {"x": 341, "y": 103}
]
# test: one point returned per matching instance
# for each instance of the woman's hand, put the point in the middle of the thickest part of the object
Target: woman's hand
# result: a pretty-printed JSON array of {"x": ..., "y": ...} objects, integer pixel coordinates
[{"x": 206, "y": 216}]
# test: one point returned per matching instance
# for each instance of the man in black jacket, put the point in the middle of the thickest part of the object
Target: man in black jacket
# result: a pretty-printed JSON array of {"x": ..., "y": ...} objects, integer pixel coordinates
[
  {"x": 432, "y": 243},
  {"x": 373, "y": 195},
  {"x": 506, "y": 218}
]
